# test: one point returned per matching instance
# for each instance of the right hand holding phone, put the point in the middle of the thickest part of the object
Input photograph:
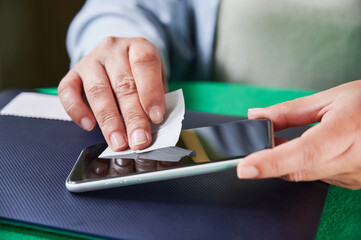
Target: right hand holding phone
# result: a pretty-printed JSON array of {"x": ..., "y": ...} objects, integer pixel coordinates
[{"x": 329, "y": 151}]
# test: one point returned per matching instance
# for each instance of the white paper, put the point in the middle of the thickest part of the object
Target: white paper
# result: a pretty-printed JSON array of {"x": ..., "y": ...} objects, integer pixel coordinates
[
  {"x": 36, "y": 105},
  {"x": 165, "y": 134}
]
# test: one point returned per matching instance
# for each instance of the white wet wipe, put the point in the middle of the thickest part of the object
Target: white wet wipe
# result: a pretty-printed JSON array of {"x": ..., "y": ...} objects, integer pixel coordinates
[
  {"x": 165, "y": 134},
  {"x": 168, "y": 154}
]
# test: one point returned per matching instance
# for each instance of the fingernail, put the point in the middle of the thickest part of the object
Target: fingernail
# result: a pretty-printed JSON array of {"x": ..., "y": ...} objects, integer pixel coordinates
[
  {"x": 248, "y": 172},
  {"x": 117, "y": 140},
  {"x": 86, "y": 123},
  {"x": 155, "y": 114},
  {"x": 139, "y": 137}
]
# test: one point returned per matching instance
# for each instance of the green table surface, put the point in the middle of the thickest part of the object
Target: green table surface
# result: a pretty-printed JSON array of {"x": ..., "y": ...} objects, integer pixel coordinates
[{"x": 341, "y": 217}]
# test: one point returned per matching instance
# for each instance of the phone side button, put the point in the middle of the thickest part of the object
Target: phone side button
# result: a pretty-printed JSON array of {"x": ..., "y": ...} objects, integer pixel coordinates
[{"x": 132, "y": 181}]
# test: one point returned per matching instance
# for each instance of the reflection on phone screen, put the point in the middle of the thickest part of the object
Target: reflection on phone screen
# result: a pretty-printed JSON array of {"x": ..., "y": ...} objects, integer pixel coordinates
[
  {"x": 212, "y": 143},
  {"x": 99, "y": 168}
]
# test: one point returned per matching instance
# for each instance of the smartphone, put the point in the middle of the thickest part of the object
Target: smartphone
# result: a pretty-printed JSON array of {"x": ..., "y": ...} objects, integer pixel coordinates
[{"x": 218, "y": 147}]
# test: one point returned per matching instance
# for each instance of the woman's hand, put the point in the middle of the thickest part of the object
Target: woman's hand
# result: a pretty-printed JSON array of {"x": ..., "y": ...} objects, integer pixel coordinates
[
  {"x": 121, "y": 77},
  {"x": 329, "y": 151}
]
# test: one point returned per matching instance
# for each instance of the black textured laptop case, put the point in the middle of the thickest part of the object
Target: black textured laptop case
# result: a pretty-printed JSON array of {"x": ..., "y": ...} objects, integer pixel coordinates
[{"x": 36, "y": 156}]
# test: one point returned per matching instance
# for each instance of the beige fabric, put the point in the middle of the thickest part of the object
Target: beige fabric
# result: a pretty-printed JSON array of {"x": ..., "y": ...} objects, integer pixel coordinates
[{"x": 289, "y": 43}]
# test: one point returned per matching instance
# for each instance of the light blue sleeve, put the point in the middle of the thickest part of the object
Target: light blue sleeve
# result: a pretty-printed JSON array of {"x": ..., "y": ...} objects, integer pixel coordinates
[{"x": 182, "y": 31}]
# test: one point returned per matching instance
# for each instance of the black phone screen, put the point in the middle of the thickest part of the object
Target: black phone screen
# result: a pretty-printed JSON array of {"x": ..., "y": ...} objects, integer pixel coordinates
[{"x": 212, "y": 143}]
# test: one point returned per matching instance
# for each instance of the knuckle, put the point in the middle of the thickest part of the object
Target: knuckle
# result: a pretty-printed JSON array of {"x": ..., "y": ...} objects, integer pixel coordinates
[
  {"x": 64, "y": 88},
  {"x": 65, "y": 91},
  {"x": 124, "y": 85},
  {"x": 96, "y": 90},
  {"x": 85, "y": 62},
  {"x": 67, "y": 83},
  {"x": 108, "y": 41},
  {"x": 148, "y": 57},
  {"x": 134, "y": 119},
  {"x": 106, "y": 118},
  {"x": 71, "y": 106}
]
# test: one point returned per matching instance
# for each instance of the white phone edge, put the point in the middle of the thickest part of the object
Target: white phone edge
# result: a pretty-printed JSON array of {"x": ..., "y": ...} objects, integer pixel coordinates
[{"x": 152, "y": 176}]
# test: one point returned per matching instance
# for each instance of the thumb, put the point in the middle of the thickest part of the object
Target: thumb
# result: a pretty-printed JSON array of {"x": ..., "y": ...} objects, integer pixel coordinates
[{"x": 298, "y": 112}]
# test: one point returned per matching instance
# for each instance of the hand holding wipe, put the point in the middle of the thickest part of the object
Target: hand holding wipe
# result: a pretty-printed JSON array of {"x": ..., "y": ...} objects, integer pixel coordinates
[{"x": 165, "y": 134}]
